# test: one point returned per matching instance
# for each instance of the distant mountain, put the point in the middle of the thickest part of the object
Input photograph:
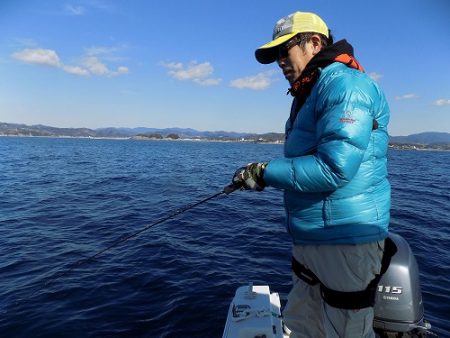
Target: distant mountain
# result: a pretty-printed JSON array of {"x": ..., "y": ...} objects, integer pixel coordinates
[
  {"x": 185, "y": 132},
  {"x": 427, "y": 138},
  {"x": 41, "y": 130}
]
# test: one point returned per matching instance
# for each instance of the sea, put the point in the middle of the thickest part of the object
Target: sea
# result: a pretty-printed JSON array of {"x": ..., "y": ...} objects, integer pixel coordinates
[{"x": 124, "y": 238}]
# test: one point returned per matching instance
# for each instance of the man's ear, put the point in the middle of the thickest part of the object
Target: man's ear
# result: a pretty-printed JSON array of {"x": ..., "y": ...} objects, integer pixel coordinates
[{"x": 316, "y": 44}]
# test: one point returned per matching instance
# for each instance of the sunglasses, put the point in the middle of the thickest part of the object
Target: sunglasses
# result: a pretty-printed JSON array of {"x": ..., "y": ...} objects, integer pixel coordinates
[{"x": 283, "y": 50}]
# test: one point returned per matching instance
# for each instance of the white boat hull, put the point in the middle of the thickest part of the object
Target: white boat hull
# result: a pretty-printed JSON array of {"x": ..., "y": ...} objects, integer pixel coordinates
[{"x": 254, "y": 313}]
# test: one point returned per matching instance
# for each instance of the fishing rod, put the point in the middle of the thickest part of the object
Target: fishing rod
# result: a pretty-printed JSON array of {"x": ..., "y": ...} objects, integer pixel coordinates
[{"x": 226, "y": 190}]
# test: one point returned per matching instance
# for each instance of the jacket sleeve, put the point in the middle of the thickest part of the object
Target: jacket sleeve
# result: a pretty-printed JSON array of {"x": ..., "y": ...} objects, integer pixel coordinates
[{"x": 344, "y": 125}]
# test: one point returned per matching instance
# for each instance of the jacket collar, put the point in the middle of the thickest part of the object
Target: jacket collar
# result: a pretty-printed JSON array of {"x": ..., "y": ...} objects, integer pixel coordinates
[{"x": 341, "y": 51}]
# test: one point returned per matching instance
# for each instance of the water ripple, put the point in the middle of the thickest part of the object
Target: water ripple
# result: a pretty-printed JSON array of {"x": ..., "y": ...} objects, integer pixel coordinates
[{"x": 62, "y": 200}]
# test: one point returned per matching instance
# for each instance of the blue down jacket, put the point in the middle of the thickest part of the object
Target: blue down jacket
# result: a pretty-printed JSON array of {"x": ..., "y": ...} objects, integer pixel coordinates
[{"x": 334, "y": 173}]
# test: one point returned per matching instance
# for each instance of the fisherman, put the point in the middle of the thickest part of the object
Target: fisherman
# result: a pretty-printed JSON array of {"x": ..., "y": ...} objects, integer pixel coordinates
[{"x": 334, "y": 177}]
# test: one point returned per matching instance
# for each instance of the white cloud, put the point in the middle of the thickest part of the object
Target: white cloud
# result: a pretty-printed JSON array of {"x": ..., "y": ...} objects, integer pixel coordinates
[
  {"x": 97, "y": 67},
  {"x": 208, "y": 82},
  {"x": 375, "y": 76},
  {"x": 90, "y": 6},
  {"x": 442, "y": 102},
  {"x": 76, "y": 70},
  {"x": 92, "y": 65},
  {"x": 103, "y": 51},
  {"x": 198, "y": 73},
  {"x": 74, "y": 10},
  {"x": 259, "y": 81},
  {"x": 122, "y": 70},
  {"x": 406, "y": 97},
  {"x": 38, "y": 56}
]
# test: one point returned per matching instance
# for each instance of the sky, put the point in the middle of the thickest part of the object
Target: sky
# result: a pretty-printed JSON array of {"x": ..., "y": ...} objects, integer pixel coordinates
[{"x": 191, "y": 64}]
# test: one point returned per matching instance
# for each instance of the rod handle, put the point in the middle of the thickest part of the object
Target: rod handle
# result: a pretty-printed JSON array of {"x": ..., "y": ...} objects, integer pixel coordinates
[{"x": 231, "y": 187}]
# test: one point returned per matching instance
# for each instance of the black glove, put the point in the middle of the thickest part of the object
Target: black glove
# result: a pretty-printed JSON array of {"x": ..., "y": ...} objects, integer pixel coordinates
[{"x": 250, "y": 177}]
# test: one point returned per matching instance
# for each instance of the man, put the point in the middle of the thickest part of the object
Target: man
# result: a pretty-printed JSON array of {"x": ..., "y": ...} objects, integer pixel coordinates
[{"x": 334, "y": 177}]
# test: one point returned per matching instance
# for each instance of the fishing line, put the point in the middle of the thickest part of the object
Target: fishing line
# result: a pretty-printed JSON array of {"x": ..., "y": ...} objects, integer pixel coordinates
[{"x": 227, "y": 190}]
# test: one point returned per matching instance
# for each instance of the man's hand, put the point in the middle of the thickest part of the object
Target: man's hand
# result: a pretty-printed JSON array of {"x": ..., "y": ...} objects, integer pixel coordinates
[{"x": 250, "y": 177}]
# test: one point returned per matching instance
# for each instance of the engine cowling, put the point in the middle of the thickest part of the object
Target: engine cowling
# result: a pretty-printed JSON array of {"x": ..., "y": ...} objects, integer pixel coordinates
[{"x": 398, "y": 304}]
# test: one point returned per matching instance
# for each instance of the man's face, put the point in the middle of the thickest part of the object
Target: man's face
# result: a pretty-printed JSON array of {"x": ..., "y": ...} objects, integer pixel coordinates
[{"x": 292, "y": 58}]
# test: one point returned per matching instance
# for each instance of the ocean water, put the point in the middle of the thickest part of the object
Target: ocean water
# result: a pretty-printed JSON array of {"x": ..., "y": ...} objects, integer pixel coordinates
[{"x": 63, "y": 200}]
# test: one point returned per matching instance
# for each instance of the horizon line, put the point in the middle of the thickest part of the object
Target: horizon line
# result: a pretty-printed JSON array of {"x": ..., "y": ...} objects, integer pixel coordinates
[{"x": 190, "y": 128}]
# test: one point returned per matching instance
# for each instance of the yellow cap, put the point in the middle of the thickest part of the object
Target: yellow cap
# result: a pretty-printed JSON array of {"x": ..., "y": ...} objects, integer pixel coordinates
[{"x": 286, "y": 28}]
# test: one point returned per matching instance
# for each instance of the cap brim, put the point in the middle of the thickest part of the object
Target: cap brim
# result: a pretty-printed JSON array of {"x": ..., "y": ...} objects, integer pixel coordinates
[{"x": 268, "y": 53}]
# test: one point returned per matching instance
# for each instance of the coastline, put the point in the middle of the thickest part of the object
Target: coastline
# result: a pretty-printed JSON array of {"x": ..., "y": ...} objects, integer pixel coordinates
[
  {"x": 143, "y": 139},
  {"x": 395, "y": 146}
]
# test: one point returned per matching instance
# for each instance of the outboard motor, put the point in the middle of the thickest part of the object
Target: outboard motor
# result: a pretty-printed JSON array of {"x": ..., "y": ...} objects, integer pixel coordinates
[{"x": 399, "y": 310}]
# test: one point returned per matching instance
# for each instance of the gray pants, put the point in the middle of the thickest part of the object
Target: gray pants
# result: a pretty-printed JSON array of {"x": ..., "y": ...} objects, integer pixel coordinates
[{"x": 341, "y": 268}]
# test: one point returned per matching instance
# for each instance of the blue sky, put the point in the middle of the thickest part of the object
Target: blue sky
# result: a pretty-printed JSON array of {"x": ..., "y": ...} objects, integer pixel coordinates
[{"x": 190, "y": 63}]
